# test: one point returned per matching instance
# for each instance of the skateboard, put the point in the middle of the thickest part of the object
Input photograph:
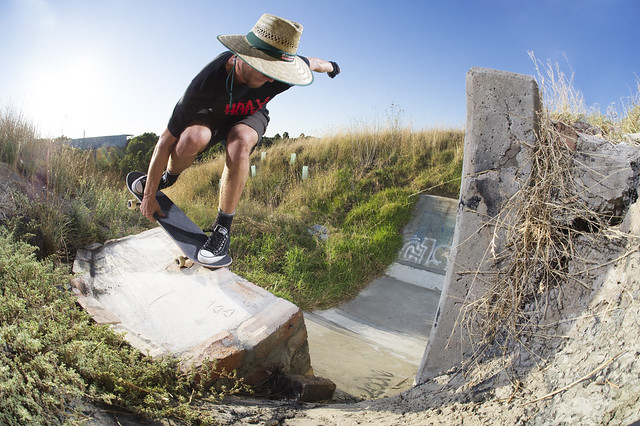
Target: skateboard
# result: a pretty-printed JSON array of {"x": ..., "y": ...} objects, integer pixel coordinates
[{"x": 186, "y": 234}]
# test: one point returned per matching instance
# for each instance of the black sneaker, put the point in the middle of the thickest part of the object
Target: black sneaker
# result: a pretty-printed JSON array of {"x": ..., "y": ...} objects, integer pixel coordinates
[
  {"x": 216, "y": 247},
  {"x": 166, "y": 181}
]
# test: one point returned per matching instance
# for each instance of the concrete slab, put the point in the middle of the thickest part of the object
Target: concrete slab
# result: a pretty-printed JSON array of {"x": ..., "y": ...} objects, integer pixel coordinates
[
  {"x": 134, "y": 285},
  {"x": 415, "y": 276},
  {"x": 395, "y": 306},
  {"x": 371, "y": 346}
]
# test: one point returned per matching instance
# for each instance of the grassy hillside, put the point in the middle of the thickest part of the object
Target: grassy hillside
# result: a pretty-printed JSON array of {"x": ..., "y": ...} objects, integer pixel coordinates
[{"x": 360, "y": 188}]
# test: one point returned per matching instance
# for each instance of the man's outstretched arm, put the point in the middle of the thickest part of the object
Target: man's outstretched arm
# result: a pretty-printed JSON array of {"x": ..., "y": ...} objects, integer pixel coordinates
[{"x": 320, "y": 65}]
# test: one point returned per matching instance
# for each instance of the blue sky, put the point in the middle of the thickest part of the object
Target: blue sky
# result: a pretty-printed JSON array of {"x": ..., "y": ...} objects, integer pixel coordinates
[{"x": 79, "y": 67}]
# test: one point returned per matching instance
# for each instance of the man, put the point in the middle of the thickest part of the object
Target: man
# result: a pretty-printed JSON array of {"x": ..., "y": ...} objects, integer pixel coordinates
[{"x": 226, "y": 103}]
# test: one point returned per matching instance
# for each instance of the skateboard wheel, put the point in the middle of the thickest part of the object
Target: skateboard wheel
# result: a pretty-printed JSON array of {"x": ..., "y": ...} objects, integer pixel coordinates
[
  {"x": 133, "y": 204},
  {"x": 181, "y": 261}
]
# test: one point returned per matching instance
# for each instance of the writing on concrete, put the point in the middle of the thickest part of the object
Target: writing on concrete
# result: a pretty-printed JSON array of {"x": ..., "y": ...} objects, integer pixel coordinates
[
  {"x": 428, "y": 238},
  {"x": 425, "y": 252},
  {"x": 227, "y": 312}
]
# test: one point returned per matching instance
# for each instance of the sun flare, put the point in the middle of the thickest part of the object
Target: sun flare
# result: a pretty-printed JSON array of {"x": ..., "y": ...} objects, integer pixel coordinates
[{"x": 65, "y": 98}]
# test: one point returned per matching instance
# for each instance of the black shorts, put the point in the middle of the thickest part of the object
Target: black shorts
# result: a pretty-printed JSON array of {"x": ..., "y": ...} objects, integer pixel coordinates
[{"x": 219, "y": 132}]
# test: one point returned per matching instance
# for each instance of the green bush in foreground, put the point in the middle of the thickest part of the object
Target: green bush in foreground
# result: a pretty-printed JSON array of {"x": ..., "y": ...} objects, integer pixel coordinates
[{"x": 52, "y": 355}]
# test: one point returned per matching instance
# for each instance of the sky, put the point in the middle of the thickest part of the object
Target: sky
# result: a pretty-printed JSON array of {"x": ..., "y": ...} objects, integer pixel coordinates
[{"x": 94, "y": 68}]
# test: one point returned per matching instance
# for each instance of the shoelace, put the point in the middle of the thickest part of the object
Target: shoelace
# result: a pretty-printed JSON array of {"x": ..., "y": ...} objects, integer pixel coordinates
[{"x": 217, "y": 239}]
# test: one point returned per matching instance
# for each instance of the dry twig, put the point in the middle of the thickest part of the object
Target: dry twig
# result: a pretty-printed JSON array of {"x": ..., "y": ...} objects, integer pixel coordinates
[{"x": 581, "y": 379}]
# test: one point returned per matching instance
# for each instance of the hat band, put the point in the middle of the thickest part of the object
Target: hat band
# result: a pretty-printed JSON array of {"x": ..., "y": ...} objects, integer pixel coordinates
[{"x": 257, "y": 43}]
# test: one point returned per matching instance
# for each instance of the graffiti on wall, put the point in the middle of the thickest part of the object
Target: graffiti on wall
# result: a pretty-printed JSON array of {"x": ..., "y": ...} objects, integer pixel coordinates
[
  {"x": 428, "y": 239},
  {"x": 425, "y": 252}
]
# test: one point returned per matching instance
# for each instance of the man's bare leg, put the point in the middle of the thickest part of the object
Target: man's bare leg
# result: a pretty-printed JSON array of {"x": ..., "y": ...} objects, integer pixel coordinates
[
  {"x": 240, "y": 141},
  {"x": 193, "y": 140},
  {"x": 173, "y": 154}
]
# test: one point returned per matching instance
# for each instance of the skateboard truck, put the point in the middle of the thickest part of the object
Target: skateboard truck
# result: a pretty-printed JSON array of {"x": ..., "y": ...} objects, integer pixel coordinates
[
  {"x": 181, "y": 261},
  {"x": 133, "y": 204}
]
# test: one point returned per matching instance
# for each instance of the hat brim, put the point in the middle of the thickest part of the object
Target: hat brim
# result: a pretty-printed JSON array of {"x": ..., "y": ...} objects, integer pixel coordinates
[{"x": 296, "y": 72}]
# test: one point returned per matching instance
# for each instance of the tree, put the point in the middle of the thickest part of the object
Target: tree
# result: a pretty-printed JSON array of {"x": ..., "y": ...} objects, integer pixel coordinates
[
  {"x": 143, "y": 143},
  {"x": 138, "y": 153}
]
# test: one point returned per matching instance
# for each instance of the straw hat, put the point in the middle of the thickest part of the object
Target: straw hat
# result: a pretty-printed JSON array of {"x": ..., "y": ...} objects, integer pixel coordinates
[{"x": 270, "y": 47}]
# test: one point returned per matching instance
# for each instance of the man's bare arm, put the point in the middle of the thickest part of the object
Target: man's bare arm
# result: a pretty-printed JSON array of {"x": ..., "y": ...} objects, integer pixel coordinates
[
  {"x": 320, "y": 65},
  {"x": 157, "y": 166}
]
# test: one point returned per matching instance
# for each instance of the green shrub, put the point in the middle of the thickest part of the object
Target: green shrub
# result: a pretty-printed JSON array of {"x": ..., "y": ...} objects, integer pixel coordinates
[{"x": 51, "y": 354}]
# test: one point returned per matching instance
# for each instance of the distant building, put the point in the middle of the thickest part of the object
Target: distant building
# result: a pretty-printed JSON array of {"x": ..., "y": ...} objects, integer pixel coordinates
[{"x": 100, "y": 141}]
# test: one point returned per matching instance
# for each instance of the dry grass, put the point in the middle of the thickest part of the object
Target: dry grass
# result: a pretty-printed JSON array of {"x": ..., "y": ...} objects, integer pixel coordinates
[
  {"x": 363, "y": 173},
  {"x": 564, "y": 103},
  {"x": 535, "y": 226}
]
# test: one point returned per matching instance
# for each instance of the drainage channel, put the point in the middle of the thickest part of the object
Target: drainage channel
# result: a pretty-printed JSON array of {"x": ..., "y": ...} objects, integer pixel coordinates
[{"x": 371, "y": 346}]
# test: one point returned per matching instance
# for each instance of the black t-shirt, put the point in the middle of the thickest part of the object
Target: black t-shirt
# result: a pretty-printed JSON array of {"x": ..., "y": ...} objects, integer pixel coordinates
[{"x": 208, "y": 91}]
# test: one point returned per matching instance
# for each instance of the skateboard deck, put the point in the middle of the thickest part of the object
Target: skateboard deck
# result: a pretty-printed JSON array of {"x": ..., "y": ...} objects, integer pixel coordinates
[{"x": 186, "y": 234}]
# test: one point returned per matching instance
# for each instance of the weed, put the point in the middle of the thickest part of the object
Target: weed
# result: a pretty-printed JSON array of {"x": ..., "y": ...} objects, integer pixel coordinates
[
  {"x": 72, "y": 201},
  {"x": 565, "y": 103},
  {"x": 537, "y": 232}
]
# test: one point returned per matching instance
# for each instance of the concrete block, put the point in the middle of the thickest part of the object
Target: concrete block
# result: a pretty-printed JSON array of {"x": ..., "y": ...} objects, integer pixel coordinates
[
  {"x": 502, "y": 127},
  {"x": 196, "y": 314},
  {"x": 311, "y": 389},
  {"x": 502, "y": 124}
]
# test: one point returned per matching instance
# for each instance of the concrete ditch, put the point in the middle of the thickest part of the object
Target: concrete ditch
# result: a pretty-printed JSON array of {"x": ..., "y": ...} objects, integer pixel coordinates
[
  {"x": 371, "y": 346},
  {"x": 380, "y": 327},
  {"x": 494, "y": 116}
]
